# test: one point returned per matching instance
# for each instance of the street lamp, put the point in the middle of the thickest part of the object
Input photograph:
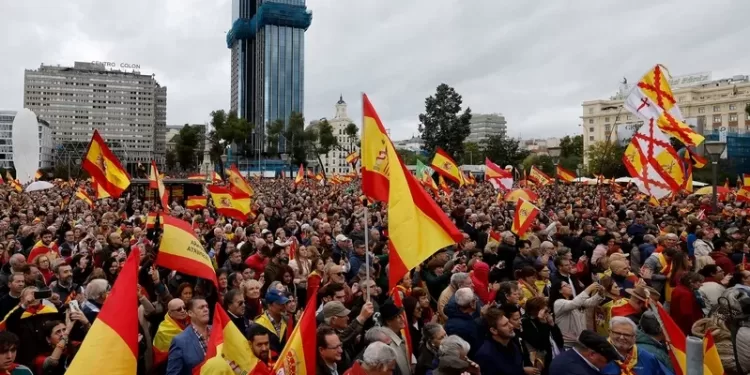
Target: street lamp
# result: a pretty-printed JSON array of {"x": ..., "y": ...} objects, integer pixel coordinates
[
  {"x": 714, "y": 149},
  {"x": 579, "y": 170},
  {"x": 223, "y": 158},
  {"x": 554, "y": 153}
]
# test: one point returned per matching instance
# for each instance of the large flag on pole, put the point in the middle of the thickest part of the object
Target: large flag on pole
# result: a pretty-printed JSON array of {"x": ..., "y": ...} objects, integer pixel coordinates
[
  {"x": 523, "y": 216},
  {"x": 653, "y": 163},
  {"x": 565, "y": 175},
  {"x": 375, "y": 163},
  {"x": 111, "y": 344},
  {"x": 652, "y": 98},
  {"x": 539, "y": 177},
  {"x": 181, "y": 251},
  {"x": 230, "y": 203},
  {"x": 237, "y": 183},
  {"x": 104, "y": 167},
  {"x": 300, "y": 175},
  {"x": 446, "y": 166},
  {"x": 300, "y": 352},
  {"x": 156, "y": 182}
]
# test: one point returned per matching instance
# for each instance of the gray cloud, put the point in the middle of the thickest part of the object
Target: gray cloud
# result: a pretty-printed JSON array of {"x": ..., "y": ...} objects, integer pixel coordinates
[{"x": 534, "y": 61}]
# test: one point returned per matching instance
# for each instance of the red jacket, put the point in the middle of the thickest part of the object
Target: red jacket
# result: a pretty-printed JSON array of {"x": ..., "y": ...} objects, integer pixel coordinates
[
  {"x": 480, "y": 276},
  {"x": 723, "y": 261},
  {"x": 684, "y": 308},
  {"x": 257, "y": 264}
]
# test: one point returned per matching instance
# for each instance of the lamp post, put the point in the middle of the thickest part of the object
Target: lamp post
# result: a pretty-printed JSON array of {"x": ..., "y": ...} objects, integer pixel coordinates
[
  {"x": 714, "y": 149},
  {"x": 579, "y": 171},
  {"x": 223, "y": 158},
  {"x": 554, "y": 153}
]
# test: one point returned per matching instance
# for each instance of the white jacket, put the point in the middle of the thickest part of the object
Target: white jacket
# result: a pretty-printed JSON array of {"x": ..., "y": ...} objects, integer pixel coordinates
[
  {"x": 702, "y": 248},
  {"x": 711, "y": 292}
]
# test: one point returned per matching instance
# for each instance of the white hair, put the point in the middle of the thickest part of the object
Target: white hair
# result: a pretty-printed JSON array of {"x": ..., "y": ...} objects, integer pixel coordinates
[
  {"x": 453, "y": 345},
  {"x": 96, "y": 289},
  {"x": 464, "y": 297},
  {"x": 621, "y": 320},
  {"x": 378, "y": 355},
  {"x": 376, "y": 334},
  {"x": 458, "y": 278}
]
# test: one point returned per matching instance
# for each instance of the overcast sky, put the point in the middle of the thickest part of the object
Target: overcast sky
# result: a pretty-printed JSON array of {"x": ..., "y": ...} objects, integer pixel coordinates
[{"x": 533, "y": 61}]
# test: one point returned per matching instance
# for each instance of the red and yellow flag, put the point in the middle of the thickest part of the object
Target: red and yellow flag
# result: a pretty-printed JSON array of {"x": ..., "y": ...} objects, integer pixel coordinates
[
  {"x": 411, "y": 210},
  {"x": 375, "y": 162},
  {"x": 104, "y": 167},
  {"x": 711, "y": 357},
  {"x": 196, "y": 202},
  {"x": 565, "y": 175},
  {"x": 405, "y": 332},
  {"x": 215, "y": 177},
  {"x": 523, "y": 217},
  {"x": 227, "y": 342},
  {"x": 39, "y": 174},
  {"x": 443, "y": 185},
  {"x": 446, "y": 166},
  {"x": 197, "y": 177},
  {"x": 743, "y": 194},
  {"x": 155, "y": 181},
  {"x": 352, "y": 158},
  {"x": 676, "y": 339},
  {"x": 319, "y": 176},
  {"x": 229, "y": 203},
  {"x": 300, "y": 175},
  {"x": 111, "y": 344},
  {"x": 181, "y": 251},
  {"x": 299, "y": 354},
  {"x": 168, "y": 329},
  {"x": 237, "y": 183},
  {"x": 539, "y": 177},
  {"x": 81, "y": 194}
]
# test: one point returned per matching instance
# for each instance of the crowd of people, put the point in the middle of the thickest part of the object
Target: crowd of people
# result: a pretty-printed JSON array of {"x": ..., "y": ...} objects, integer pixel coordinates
[{"x": 574, "y": 295}]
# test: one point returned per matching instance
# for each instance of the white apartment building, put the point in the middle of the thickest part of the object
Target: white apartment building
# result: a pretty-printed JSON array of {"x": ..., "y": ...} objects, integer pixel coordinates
[
  {"x": 335, "y": 160},
  {"x": 707, "y": 105},
  {"x": 484, "y": 126},
  {"x": 128, "y": 108},
  {"x": 6, "y": 141}
]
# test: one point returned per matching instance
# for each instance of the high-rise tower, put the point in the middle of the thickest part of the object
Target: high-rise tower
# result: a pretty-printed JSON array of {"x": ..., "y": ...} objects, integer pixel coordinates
[{"x": 267, "y": 40}]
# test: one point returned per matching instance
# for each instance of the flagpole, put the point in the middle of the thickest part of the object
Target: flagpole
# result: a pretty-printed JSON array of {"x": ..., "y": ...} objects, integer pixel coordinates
[{"x": 367, "y": 210}]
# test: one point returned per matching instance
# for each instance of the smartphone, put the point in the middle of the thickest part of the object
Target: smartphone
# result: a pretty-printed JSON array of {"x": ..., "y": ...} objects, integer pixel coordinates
[
  {"x": 74, "y": 306},
  {"x": 43, "y": 294}
]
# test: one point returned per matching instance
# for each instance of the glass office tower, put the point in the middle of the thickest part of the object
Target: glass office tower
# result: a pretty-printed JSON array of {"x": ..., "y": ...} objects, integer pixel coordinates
[{"x": 267, "y": 40}]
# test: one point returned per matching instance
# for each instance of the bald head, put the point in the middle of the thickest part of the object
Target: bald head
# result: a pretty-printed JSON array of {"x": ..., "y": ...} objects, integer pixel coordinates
[{"x": 175, "y": 304}]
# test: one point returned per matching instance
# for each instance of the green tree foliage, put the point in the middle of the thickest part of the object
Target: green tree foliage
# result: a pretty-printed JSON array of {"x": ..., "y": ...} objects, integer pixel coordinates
[
  {"x": 503, "y": 150},
  {"x": 410, "y": 157},
  {"x": 171, "y": 160},
  {"x": 351, "y": 131},
  {"x": 473, "y": 154},
  {"x": 606, "y": 158},
  {"x": 543, "y": 162},
  {"x": 443, "y": 124},
  {"x": 187, "y": 144},
  {"x": 227, "y": 129},
  {"x": 571, "y": 146},
  {"x": 302, "y": 143}
]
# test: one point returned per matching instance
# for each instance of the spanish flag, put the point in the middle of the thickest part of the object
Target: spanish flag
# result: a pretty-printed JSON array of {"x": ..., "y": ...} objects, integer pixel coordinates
[
  {"x": 16, "y": 186},
  {"x": 168, "y": 329},
  {"x": 39, "y": 174},
  {"x": 299, "y": 354},
  {"x": 104, "y": 167},
  {"x": 230, "y": 345},
  {"x": 155, "y": 182},
  {"x": 711, "y": 357},
  {"x": 405, "y": 332},
  {"x": 111, "y": 344},
  {"x": 310, "y": 174},
  {"x": 151, "y": 220},
  {"x": 319, "y": 176},
  {"x": 411, "y": 210},
  {"x": 39, "y": 249},
  {"x": 99, "y": 190},
  {"x": 676, "y": 339},
  {"x": 565, "y": 175},
  {"x": 230, "y": 203},
  {"x": 238, "y": 183},
  {"x": 181, "y": 251},
  {"x": 743, "y": 194},
  {"x": 196, "y": 202},
  {"x": 443, "y": 185},
  {"x": 375, "y": 162},
  {"x": 446, "y": 166},
  {"x": 300, "y": 175},
  {"x": 352, "y": 158},
  {"x": 215, "y": 177},
  {"x": 197, "y": 177},
  {"x": 523, "y": 217},
  {"x": 81, "y": 194},
  {"x": 30, "y": 311},
  {"x": 539, "y": 177}
]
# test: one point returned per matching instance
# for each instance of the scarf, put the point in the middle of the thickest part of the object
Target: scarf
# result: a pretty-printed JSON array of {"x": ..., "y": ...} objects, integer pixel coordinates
[
  {"x": 531, "y": 288},
  {"x": 626, "y": 366}
]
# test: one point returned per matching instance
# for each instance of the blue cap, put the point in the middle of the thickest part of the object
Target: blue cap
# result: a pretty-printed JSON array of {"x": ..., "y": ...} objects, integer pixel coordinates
[{"x": 274, "y": 296}]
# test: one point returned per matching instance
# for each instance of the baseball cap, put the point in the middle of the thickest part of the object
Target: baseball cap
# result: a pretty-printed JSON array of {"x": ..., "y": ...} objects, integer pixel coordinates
[
  {"x": 335, "y": 308},
  {"x": 274, "y": 296},
  {"x": 265, "y": 231},
  {"x": 341, "y": 238}
]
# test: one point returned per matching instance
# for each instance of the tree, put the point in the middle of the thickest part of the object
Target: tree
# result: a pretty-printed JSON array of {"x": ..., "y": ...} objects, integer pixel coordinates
[
  {"x": 473, "y": 154},
  {"x": 605, "y": 158},
  {"x": 351, "y": 131},
  {"x": 171, "y": 160},
  {"x": 502, "y": 150},
  {"x": 228, "y": 129},
  {"x": 543, "y": 162},
  {"x": 442, "y": 124},
  {"x": 321, "y": 141},
  {"x": 410, "y": 157},
  {"x": 571, "y": 146},
  {"x": 186, "y": 146}
]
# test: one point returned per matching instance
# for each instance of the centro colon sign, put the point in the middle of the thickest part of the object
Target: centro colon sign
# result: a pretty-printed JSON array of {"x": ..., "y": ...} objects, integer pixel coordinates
[{"x": 113, "y": 65}]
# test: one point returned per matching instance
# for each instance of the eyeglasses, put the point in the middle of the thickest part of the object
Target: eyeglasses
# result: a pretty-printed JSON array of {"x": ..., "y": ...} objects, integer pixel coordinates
[
  {"x": 179, "y": 309},
  {"x": 339, "y": 273},
  {"x": 334, "y": 348},
  {"x": 622, "y": 334}
]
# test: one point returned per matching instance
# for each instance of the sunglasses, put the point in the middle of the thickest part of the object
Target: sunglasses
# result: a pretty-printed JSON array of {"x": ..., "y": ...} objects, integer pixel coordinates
[{"x": 179, "y": 309}]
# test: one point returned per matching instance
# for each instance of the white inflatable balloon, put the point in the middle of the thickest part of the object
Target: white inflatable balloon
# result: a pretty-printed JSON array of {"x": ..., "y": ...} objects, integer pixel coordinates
[{"x": 25, "y": 145}]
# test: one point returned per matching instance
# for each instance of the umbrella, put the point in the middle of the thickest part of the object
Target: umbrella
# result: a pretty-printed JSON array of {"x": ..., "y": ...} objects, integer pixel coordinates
[
  {"x": 39, "y": 185},
  {"x": 516, "y": 194},
  {"x": 720, "y": 190}
]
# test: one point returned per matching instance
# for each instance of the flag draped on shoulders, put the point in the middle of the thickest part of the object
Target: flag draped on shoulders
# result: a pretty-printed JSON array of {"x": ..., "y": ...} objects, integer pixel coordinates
[
  {"x": 181, "y": 251},
  {"x": 104, "y": 167},
  {"x": 168, "y": 329},
  {"x": 111, "y": 344},
  {"x": 375, "y": 162}
]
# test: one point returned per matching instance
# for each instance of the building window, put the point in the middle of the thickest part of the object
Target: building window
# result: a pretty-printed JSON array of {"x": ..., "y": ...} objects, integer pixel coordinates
[
  {"x": 717, "y": 119},
  {"x": 733, "y": 117},
  {"x": 607, "y": 128},
  {"x": 591, "y": 129},
  {"x": 591, "y": 138},
  {"x": 701, "y": 109},
  {"x": 629, "y": 117},
  {"x": 717, "y": 108},
  {"x": 606, "y": 119},
  {"x": 733, "y": 107},
  {"x": 591, "y": 121}
]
